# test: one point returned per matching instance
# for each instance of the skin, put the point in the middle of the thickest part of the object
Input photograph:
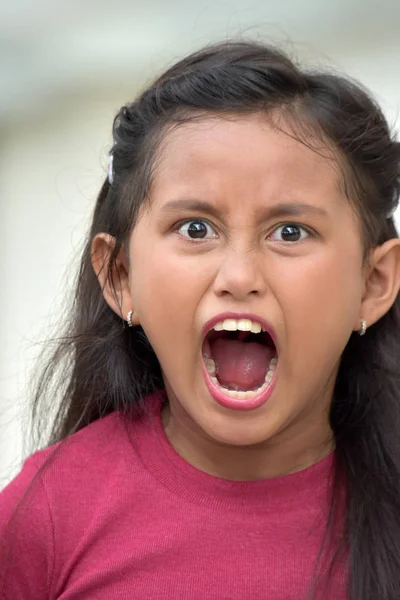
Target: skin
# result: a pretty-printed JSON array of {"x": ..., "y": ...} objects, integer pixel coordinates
[{"x": 313, "y": 292}]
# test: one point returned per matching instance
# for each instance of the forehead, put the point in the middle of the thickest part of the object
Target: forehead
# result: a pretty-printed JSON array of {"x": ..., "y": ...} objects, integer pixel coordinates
[{"x": 245, "y": 154}]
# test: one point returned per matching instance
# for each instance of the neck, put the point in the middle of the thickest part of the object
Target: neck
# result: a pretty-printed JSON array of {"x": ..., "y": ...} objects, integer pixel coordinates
[{"x": 286, "y": 453}]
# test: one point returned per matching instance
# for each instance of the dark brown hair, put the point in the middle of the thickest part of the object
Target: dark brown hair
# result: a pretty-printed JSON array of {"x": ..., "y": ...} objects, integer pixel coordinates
[{"x": 101, "y": 366}]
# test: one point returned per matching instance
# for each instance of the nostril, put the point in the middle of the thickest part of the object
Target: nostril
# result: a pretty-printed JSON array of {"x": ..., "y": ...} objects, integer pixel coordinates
[{"x": 227, "y": 292}]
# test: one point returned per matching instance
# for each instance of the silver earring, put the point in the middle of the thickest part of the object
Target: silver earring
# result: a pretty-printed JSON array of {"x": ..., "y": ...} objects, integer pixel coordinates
[
  {"x": 129, "y": 318},
  {"x": 363, "y": 327}
]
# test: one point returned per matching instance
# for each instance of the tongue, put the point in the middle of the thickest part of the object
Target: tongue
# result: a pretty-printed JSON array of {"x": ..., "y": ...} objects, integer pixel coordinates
[{"x": 241, "y": 365}]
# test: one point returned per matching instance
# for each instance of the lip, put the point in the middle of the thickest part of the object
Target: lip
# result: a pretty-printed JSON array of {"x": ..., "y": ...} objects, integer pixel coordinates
[{"x": 246, "y": 404}]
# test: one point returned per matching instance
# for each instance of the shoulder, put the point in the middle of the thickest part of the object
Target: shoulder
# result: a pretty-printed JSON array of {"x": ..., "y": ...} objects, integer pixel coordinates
[
  {"x": 107, "y": 440},
  {"x": 99, "y": 440},
  {"x": 86, "y": 456},
  {"x": 67, "y": 491},
  {"x": 98, "y": 462},
  {"x": 77, "y": 462}
]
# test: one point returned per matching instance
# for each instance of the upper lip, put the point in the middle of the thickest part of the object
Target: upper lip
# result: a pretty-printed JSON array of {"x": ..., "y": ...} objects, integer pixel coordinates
[{"x": 231, "y": 315}]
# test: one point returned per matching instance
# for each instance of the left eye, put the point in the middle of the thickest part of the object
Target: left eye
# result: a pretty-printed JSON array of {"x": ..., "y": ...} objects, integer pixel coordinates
[
  {"x": 197, "y": 230},
  {"x": 290, "y": 232}
]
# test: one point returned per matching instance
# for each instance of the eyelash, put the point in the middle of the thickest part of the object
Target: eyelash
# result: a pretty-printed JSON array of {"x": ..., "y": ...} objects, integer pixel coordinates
[
  {"x": 179, "y": 225},
  {"x": 290, "y": 224}
]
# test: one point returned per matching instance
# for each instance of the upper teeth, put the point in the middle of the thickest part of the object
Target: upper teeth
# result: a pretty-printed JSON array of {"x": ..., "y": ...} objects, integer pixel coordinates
[{"x": 238, "y": 324}]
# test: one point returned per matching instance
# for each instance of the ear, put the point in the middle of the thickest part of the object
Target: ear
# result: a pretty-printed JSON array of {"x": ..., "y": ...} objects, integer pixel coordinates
[
  {"x": 382, "y": 281},
  {"x": 113, "y": 275}
]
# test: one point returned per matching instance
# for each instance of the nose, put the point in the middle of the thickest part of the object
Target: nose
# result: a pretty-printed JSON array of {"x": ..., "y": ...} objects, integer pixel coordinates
[{"x": 240, "y": 275}]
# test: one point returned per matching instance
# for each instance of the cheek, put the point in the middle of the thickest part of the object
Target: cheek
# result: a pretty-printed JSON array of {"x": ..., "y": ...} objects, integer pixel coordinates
[
  {"x": 327, "y": 282},
  {"x": 321, "y": 310},
  {"x": 166, "y": 289},
  {"x": 162, "y": 273}
]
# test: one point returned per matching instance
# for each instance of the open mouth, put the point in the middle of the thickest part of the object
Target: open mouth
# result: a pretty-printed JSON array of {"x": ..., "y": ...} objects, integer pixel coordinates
[{"x": 240, "y": 358}]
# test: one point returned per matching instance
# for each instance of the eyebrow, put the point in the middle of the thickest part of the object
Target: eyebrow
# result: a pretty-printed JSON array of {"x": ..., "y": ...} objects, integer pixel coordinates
[{"x": 283, "y": 209}]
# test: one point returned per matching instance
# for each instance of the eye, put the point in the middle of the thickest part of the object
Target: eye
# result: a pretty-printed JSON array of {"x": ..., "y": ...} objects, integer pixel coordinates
[
  {"x": 197, "y": 230},
  {"x": 290, "y": 232}
]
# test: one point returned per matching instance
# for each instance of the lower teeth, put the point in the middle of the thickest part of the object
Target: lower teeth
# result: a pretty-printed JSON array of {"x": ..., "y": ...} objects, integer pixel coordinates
[{"x": 241, "y": 395}]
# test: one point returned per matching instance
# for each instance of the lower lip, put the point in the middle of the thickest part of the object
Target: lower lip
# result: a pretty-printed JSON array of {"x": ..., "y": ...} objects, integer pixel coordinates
[{"x": 238, "y": 403}]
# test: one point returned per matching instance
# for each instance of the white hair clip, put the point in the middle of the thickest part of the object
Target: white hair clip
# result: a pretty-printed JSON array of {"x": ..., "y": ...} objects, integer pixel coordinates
[{"x": 110, "y": 170}]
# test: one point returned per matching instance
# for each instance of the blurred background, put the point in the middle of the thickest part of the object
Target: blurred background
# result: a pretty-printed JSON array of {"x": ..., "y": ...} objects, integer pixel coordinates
[{"x": 65, "y": 69}]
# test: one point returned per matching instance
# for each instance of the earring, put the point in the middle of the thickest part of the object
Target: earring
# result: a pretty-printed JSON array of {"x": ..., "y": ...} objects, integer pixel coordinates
[
  {"x": 363, "y": 327},
  {"x": 129, "y": 318}
]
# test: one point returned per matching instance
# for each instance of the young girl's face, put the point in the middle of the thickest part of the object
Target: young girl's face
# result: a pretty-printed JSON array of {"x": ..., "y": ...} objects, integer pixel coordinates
[{"x": 243, "y": 222}]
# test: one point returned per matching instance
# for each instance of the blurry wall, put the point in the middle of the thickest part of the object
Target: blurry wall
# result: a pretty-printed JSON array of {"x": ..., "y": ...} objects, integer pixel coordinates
[
  {"x": 51, "y": 169},
  {"x": 67, "y": 72}
]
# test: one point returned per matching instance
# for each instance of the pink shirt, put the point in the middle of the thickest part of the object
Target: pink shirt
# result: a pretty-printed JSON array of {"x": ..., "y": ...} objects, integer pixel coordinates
[{"x": 119, "y": 515}]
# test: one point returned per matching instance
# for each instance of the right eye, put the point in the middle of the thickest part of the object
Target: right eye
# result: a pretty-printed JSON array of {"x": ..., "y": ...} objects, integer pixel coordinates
[{"x": 197, "y": 229}]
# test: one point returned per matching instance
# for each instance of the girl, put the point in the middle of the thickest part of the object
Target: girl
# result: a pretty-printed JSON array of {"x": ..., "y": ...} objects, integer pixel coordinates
[{"x": 228, "y": 413}]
